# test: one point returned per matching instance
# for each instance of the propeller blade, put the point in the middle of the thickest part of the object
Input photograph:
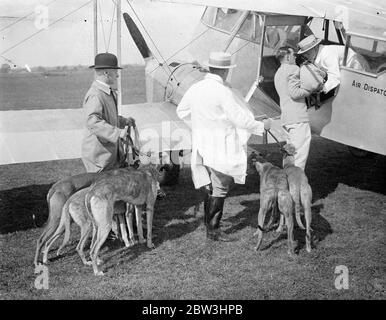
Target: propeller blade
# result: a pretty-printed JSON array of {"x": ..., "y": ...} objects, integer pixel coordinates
[{"x": 137, "y": 36}]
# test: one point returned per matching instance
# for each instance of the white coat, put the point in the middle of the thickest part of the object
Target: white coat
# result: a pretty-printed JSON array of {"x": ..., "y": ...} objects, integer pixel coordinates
[
  {"x": 330, "y": 58},
  {"x": 221, "y": 125}
]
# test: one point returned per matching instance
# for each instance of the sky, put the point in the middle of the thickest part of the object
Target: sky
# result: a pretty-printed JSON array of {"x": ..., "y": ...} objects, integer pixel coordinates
[{"x": 71, "y": 41}]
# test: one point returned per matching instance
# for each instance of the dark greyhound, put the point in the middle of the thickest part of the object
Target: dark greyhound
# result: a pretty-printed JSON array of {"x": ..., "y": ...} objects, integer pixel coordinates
[{"x": 300, "y": 190}]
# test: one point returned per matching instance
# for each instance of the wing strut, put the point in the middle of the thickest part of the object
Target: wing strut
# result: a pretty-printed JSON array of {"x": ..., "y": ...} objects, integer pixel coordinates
[{"x": 259, "y": 78}]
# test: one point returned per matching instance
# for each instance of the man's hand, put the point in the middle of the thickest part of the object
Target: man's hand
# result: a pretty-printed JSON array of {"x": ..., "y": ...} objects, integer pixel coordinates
[
  {"x": 320, "y": 87},
  {"x": 123, "y": 133},
  {"x": 130, "y": 122},
  {"x": 267, "y": 123}
]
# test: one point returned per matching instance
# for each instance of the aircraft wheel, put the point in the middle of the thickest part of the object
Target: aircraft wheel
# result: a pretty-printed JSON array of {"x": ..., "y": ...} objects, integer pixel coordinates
[
  {"x": 359, "y": 153},
  {"x": 381, "y": 68}
]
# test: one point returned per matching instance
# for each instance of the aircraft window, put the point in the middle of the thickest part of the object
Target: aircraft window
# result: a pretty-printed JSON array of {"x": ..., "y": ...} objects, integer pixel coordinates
[
  {"x": 209, "y": 16},
  {"x": 278, "y": 36},
  {"x": 318, "y": 27},
  {"x": 275, "y": 37},
  {"x": 250, "y": 29},
  {"x": 227, "y": 18},
  {"x": 370, "y": 54}
]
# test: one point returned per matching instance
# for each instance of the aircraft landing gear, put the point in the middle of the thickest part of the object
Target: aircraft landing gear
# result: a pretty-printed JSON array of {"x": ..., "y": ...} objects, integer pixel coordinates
[
  {"x": 359, "y": 153},
  {"x": 170, "y": 168}
]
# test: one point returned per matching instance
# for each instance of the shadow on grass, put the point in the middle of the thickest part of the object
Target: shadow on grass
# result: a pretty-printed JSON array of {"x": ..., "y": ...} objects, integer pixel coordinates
[
  {"x": 248, "y": 218},
  {"x": 330, "y": 163},
  {"x": 18, "y": 206}
]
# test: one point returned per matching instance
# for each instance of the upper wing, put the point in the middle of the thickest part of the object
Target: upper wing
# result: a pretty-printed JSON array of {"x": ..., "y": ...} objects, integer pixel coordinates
[
  {"x": 368, "y": 17},
  {"x": 43, "y": 135},
  {"x": 291, "y": 7}
]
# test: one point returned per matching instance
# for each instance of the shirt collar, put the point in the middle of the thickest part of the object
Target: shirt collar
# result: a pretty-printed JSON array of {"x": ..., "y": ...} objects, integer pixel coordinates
[
  {"x": 103, "y": 86},
  {"x": 214, "y": 77}
]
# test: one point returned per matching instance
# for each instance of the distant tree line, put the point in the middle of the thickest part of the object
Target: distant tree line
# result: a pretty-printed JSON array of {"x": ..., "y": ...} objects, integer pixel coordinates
[{"x": 6, "y": 68}]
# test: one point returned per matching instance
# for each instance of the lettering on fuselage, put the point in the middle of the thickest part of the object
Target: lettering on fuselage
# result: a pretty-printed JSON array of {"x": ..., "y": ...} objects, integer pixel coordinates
[{"x": 367, "y": 87}]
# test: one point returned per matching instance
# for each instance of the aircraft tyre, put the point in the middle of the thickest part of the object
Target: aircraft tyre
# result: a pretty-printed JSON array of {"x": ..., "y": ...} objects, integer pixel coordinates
[{"x": 170, "y": 172}]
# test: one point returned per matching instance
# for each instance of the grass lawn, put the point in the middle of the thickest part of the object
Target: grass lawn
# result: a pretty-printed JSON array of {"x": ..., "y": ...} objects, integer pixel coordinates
[
  {"x": 63, "y": 90},
  {"x": 349, "y": 220}
]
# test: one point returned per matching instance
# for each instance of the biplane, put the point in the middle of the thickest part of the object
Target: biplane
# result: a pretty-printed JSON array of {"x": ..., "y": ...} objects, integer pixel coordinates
[{"x": 251, "y": 31}]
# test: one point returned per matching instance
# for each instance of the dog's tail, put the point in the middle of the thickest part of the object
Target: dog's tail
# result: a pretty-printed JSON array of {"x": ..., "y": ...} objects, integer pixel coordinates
[
  {"x": 273, "y": 216},
  {"x": 87, "y": 203},
  {"x": 65, "y": 222},
  {"x": 62, "y": 227},
  {"x": 55, "y": 202},
  {"x": 296, "y": 198}
]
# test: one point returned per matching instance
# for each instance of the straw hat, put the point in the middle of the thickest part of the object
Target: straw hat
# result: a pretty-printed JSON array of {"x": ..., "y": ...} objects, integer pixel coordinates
[
  {"x": 220, "y": 60},
  {"x": 308, "y": 43},
  {"x": 105, "y": 61}
]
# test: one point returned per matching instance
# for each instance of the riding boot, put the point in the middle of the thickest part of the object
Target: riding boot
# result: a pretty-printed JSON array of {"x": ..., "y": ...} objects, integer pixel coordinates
[
  {"x": 208, "y": 192},
  {"x": 214, "y": 214}
]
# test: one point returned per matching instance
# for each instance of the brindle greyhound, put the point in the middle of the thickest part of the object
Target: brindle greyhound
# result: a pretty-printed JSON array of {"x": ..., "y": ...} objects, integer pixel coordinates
[
  {"x": 137, "y": 187},
  {"x": 274, "y": 194},
  {"x": 300, "y": 190},
  {"x": 56, "y": 198},
  {"x": 75, "y": 208}
]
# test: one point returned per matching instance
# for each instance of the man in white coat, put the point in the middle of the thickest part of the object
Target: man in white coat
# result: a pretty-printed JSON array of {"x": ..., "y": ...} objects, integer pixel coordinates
[{"x": 221, "y": 125}]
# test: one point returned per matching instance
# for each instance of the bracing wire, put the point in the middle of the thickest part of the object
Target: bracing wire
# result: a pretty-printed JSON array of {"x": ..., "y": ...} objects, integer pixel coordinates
[
  {"x": 184, "y": 47},
  {"x": 155, "y": 46},
  {"x": 102, "y": 25},
  {"x": 41, "y": 30},
  {"x": 193, "y": 40},
  {"x": 111, "y": 25},
  {"x": 239, "y": 49},
  {"x": 23, "y": 18}
]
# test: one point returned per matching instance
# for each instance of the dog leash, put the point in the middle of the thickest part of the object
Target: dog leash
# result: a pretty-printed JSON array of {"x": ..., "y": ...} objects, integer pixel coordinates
[
  {"x": 130, "y": 143},
  {"x": 277, "y": 141}
]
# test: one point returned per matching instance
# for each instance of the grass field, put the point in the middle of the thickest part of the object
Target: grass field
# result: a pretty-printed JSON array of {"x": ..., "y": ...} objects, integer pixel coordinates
[
  {"x": 349, "y": 220},
  {"x": 62, "y": 90}
]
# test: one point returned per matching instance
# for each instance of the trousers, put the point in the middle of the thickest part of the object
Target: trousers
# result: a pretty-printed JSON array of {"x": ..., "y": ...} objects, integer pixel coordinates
[
  {"x": 299, "y": 135},
  {"x": 220, "y": 183}
]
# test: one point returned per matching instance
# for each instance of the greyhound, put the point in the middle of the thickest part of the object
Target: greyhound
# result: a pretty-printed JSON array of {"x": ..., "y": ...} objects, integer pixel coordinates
[
  {"x": 75, "y": 208},
  {"x": 56, "y": 198},
  {"x": 300, "y": 191},
  {"x": 137, "y": 187},
  {"x": 274, "y": 194}
]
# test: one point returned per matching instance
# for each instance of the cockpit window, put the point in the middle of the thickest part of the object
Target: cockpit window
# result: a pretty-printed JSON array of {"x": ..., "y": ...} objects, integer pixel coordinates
[
  {"x": 251, "y": 29},
  {"x": 226, "y": 19},
  {"x": 209, "y": 16},
  {"x": 221, "y": 18},
  {"x": 370, "y": 54}
]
